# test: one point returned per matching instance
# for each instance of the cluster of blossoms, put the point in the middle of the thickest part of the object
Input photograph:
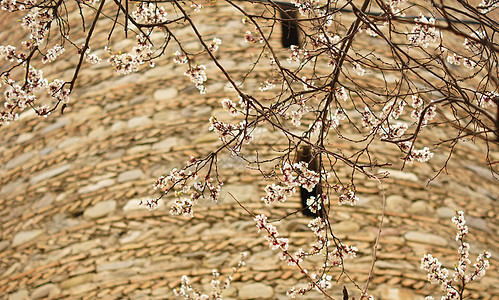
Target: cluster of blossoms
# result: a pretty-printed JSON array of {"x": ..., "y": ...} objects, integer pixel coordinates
[
  {"x": 297, "y": 115},
  {"x": 277, "y": 193},
  {"x": 254, "y": 38},
  {"x": 389, "y": 130},
  {"x": 267, "y": 85},
  {"x": 197, "y": 75},
  {"x": 359, "y": 70},
  {"x": 9, "y": 53},
  {"x": 297, "y": 54},
  {"x": 489, "y": 99},
  {"x": 227, "y": 130},
  {"x": 180, "y": 58},
  {"x": 230, "y": 107},
  {"x": 332, "y": 121},
  {"x": 341, "y": 93},
  {"x": 392, "y": 110},
  {"x": 314, "y": 205},
  {"x": 424, "y": 32},
  {"x": 456, "y": 59},
  {"x": 439, "y": 275},
  {"x": 422, "y": 155},
  {"x": 52, "y": 54},
  {"x": 176, "y": 177},
  {"x": 149, "y": 13},
  {"x": 430, "y": 113},
  {"x": 37, "y": 21},
  {"x": 305, "y": 178},
  {"x": 126, "y": 63},
  {"x": 214, "y": 44},
  {"x": 394, "y": 7},
  {"x": 473, "y": 46},
  {"x": 334, "y": 257},
  {"x": 384, "y": 125},
  {"x": 272, "y": 235},
  {"x": 216, "y": 285},
  {"x": 57, "y": 91},
  {"x": 338, "y": 255},
  {"x": 92, "y": 58},
  {"x": 488, "y": 5},
  {"x": 184, "y": 182},
  {"x": 307, "y": 6},
  {"x": 13, "y": 5},
  {"x": 20, "y": 97},
  {"x": 347, "y": 195}
]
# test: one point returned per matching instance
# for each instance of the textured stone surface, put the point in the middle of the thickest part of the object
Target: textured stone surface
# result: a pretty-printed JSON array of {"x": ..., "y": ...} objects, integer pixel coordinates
[
  {"x": 97, "y": 186},
  {"x": 49, "y": 173},
  {"x": 165, "y": 94},
  {"x": 132, "y": 205},
  {"x": 20, "y": 295},
  {"x": 346, "y": 227},
  {"x": 100, "y": 209},
  {"x": 396, "y": 203},
  {"x": 138, "y": 121},
  {"x": 18, "y": 160},
  {"x": 425, "y": 238},
  {"x": 402, "y": 175},
  {"x": 256, "y": 291},
  {"x": 130, "y": 175},
  {"x": 420, "y": 207},
  {"x": 25, "y": 236},
  {"x": 44, "y": 291},
  {"x": 116, "y": 265},
  {"x": 167, "y": 144}
]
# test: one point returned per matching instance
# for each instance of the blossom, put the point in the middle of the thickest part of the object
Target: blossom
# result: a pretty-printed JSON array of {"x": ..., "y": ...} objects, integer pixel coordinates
[
  {"x": 250, "y": 38},
  {"x": 196, "y": 7},
  {"x": 348, "y": 197},
  {"x": 422, "y": 155},
  {"x": 214, "y": 44},
  {"x": 180, "y": 58},
  {"x": 488, "y": 99},
  {"x": 37, "y": 21},
  {"x": 92, "y": 58},
  {"x": 8, "y": 52},
  {"x": 267, "y": 85},
  {"x": 57, "y": 91},
  {"x": 150, "y": 204},
  {"x": 52, "y": 54},
  {"x": 272, "y": 235},
  {"x": 424, "y": 32},
  {"x": 341, "y": 93},
  {"x": 439, "y": 275},
  {"x": 460, "y": 223},
  {"x": 277, "y": 193},
  {"x": 230, "y": 107},
  {"x": 393, "y": 6},
  {"x": 359, "y": 70},
  {"x": 454, "y": 59},
  {"x": 149, "y": 13},
  {"x": 487, "y": 5},
  {"x": 295, "y": 54},
  {"x": 126, "y": 63},
  {"x": 416, "y": 101},
  {"x": 197, "y": 75}
]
